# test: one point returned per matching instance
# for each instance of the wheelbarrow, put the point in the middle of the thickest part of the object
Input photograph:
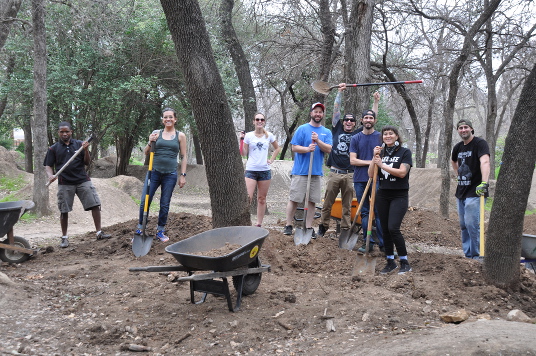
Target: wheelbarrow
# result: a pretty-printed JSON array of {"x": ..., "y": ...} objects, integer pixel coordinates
[
  {"x": 14, "y": 249},
  {"x": 204, "y": 272},
  {"x": 336, "y": 214},
  {"x": 528, "y": 251}
]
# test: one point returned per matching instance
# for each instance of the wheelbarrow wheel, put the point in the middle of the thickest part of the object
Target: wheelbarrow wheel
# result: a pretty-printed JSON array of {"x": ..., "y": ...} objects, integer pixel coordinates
[
  {"x": 12, "y": 256},
  {"x": 251, "y": 281}
]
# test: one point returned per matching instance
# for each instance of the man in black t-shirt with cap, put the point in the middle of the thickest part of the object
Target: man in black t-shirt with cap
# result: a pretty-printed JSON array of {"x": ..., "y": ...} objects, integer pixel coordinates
[{"x": 470, "y": 161}]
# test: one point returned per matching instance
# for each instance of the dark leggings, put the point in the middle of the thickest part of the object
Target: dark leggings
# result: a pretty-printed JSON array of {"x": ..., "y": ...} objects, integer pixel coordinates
[{"x": 392, "y": 206}]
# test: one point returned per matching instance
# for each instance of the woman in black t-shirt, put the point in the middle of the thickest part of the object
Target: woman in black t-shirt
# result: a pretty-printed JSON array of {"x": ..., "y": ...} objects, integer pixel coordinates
[{"x": 392, "y": 196}]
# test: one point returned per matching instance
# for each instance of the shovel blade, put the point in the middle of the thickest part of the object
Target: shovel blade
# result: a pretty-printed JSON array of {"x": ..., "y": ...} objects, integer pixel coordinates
[
  {"x": 365, "y": 265},
  {"x": 302, "y": 236},
  {"x": 348, "y": 239},
  {"x": 141, "y": 245}
]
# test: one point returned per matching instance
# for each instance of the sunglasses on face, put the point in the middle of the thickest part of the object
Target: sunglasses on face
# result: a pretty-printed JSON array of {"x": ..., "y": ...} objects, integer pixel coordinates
[
  {"x": 258, "y": 119},
  {"x": 348, "y": 119}
]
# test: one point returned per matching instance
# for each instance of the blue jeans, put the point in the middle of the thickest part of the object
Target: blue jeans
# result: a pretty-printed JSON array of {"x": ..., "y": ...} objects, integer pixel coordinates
[
  {"x": 359, "y": 189},
  {"x": 167, "y": 182},
  {"x": 469, "y": 216}
]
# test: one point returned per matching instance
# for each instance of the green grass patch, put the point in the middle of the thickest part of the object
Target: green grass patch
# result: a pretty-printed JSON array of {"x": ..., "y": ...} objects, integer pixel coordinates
[{"x": 12, "y": 184}]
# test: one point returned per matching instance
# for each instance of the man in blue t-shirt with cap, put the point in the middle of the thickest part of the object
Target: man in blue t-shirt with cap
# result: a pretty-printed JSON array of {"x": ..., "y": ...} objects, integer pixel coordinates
[{"x": 309, "y": 138}]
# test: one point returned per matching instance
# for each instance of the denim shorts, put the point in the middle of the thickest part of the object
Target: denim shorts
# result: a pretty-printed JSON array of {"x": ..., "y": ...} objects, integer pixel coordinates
[{"x": 258, "y": 175}]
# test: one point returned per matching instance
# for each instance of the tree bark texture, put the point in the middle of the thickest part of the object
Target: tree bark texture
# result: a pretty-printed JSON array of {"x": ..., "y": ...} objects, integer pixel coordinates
[
  {"x": 8, "y": 10},
  {"x": 223, "y": 164},
  {"x": 39, "y": 122},
  {"x": 503, "y": 244},
  {"x": 240, "y": 62},
  {"x": 357, "y": 54}
]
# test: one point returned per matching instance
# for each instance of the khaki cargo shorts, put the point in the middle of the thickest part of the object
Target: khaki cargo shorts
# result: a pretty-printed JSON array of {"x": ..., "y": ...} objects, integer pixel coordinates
[
  {"x": 86, "y": 192},
  {"x": 298, "y": 186}
]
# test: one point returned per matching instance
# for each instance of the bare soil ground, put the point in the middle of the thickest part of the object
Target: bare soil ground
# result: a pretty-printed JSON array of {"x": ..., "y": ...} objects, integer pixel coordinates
[{"x": 84, "y": 301}]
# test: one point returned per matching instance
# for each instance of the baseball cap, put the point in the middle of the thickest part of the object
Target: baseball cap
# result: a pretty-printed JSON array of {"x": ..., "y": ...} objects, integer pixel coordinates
[
  {"x": 464, "y": 122},
  {"x": 318, "y": 104},
  {"x": 368, "y": 112}
]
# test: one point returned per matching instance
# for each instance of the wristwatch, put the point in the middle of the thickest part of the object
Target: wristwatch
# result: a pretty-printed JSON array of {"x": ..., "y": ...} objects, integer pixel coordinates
[{"x": 183, "y": 174}]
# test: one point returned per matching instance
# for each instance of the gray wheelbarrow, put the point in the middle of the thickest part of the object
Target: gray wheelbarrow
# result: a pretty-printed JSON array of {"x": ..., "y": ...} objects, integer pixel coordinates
[
  {"x": 242, "y": 264},
  {"x": 14, "y": 249}
]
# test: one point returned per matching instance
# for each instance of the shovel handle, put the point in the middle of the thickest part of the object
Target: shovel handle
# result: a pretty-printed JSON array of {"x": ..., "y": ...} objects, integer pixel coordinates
[
  {"x": 69, "y": 161},
  {"x": 361, "y": 203}
]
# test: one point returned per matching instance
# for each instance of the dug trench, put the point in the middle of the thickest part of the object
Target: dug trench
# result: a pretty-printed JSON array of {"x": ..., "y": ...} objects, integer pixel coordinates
[{"x": 84, "y": 300}]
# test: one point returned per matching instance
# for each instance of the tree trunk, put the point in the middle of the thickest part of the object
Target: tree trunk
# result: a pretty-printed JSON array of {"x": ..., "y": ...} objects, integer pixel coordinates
[
  {"x": 8, "y": 10},
  {"x": 224, "y": 169},
  {"x": 503, "y": 243},
  {"x": 357, "y": 54},
  {"x": 28, "y": 147},
  {"x": 448, "y": 112},
  {"x": 197, "y": 148},
  {"x": 39, "y": 122},
  {"x": 240, "y": 62}
]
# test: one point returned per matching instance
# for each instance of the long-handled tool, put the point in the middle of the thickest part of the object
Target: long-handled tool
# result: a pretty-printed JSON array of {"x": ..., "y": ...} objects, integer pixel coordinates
[
  {"x": 325, "y": 88},
  {"x": 302, "y": 236},
  {"x": 141, "y": 244},
  {"x": 366, "y": 264},
  {"x": 69, "y": 161},
  {"x": 482, "y": 244},
  {"x": 348, "y": 238}
]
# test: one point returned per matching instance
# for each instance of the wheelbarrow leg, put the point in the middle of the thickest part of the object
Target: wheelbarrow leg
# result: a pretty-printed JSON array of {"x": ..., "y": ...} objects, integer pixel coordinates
[{"x": 215, "y": 287}]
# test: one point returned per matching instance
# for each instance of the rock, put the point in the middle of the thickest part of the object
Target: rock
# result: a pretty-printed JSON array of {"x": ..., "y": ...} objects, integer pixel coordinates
[
  {"x": 518, "y": 315},
  {"x": 483, "y": 316},
  {"x": 455, "y": 317},
  {"x": 5, "y": 280}
]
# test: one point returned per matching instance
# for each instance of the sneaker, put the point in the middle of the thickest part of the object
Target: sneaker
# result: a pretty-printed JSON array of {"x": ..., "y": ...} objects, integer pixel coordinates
[
  {"x": 64, "y": 242},
  {"x": 288, "y": 230},
  {"x": 313, "y": 235},
  {"x": 138, "y": 232},
  {"x": 404, "y": 267},
  {"x": 321, "y": 230},
  {"x": 389, "y": 267},
  {"x": 101, "y": 235},
  {"x": 362, "y": 249},
  {"x": 161, "y": 237}
]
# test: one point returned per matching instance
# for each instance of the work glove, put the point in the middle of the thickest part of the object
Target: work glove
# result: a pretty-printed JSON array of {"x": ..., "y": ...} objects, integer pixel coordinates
[{"x": 482, "y": 189}]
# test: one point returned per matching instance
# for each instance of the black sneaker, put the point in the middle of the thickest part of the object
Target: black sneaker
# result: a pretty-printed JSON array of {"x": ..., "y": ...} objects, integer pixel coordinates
[
  {"x": 287, "y": 230},
  {"x": 404, "y": 267},
  {"x": 321, "y": 230},
  {"x": 363, "y": 248},
  {"x": 389, "y": 267},
  {"x": 313, "y": 234}
]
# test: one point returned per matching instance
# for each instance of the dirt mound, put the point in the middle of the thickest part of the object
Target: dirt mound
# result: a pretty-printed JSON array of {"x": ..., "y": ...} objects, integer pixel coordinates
[{"x": 86, "y": 301}]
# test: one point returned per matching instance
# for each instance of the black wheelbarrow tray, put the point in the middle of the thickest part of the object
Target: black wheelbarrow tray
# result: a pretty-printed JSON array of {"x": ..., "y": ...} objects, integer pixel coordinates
[
  {"x": 14, "y": 249},
  {"x": 242, "y": 264}
]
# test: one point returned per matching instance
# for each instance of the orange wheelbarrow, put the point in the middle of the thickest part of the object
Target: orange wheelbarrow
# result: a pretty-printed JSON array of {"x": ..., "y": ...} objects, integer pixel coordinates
[{"x": 336, "y": 213}]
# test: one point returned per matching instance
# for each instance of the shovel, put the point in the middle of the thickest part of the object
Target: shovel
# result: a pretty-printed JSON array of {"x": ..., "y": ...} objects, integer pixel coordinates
[
  {"x": 348, "y": 238},
  {"x": 366, "y": 264},
  {"x": 304, "y": 235},
  {"x": 141, "y": 245}
]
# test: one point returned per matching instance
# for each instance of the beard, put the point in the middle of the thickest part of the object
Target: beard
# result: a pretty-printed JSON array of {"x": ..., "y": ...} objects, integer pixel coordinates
[{"x": 317, "y": 119}]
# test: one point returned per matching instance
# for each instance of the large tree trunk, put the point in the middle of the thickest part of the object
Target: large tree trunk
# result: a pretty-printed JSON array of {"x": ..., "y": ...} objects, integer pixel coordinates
[
  {"x": 357, "y": 54},
  {"x": 8, "y": 11},
  {"x": 39, "y": 122},
  {"x": 240, "y": 62},
  {"x": 503, "y": 244},
  {"x": 224, "y": 169}
]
